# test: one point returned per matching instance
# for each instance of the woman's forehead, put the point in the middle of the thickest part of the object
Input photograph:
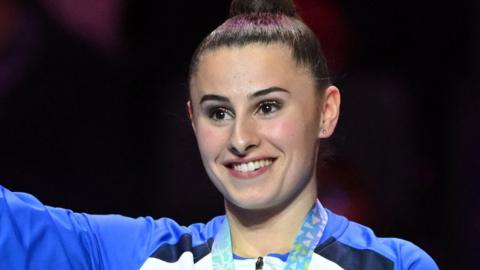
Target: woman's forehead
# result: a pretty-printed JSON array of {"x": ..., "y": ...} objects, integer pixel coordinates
[
  {"x": 255, "y": 66},
  {"x": 259, "y": 50}
]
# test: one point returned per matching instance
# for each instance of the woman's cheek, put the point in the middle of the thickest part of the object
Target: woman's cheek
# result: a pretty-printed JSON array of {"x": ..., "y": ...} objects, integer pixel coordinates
[
  {"x": 282, "y": 131},
  {"x": 209, "y": 139}
]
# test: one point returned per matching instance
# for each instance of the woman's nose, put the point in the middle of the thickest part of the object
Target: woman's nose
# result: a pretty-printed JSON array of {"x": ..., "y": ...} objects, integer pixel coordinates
[{"x": 244, "y": 137}]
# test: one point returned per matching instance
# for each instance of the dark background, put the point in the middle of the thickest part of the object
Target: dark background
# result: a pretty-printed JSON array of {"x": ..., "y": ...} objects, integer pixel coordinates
[{"x": 92, "y": 113}]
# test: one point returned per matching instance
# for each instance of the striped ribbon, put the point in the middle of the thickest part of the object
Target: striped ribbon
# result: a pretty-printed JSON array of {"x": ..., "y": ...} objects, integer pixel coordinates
[{"x": 299, "y": 256}]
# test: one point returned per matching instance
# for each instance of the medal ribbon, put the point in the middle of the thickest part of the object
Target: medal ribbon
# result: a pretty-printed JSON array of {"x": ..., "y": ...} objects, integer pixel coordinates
[{"x": 299, "y": 256}]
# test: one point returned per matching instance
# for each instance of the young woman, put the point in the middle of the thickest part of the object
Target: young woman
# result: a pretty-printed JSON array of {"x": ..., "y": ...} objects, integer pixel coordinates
[{"x": 260, "y": 103}]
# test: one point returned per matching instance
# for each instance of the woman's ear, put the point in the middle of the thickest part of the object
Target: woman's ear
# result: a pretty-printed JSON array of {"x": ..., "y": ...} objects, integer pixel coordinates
[
  {"x": 190, "y": 114},
  {"x": 330, "y": 112}
]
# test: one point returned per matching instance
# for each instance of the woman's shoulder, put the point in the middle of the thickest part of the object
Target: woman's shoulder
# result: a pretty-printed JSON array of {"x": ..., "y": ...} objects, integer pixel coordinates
[
  {"x": 349, "y": 244},
  {"x": 170, "y": 232},
  {"x": 181, "y": 244}
]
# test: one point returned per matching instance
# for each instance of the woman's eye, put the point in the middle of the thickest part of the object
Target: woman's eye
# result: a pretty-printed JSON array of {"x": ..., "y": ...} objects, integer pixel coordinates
[
  {"x": 268, "y": 107},
  {"x": 220, "y": 114}
]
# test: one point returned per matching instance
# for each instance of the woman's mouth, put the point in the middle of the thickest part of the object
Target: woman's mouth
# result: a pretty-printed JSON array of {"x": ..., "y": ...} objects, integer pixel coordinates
[
  {"x": 252, "y": 165},
  {"x": 249, "y": 169}
]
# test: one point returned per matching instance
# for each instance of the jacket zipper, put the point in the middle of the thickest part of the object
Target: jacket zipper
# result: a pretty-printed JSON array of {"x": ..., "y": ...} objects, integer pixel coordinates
[{"x": 259, "y": 263}]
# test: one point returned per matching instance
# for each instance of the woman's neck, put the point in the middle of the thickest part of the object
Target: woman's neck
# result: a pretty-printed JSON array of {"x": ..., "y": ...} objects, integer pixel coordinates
[{"x": 259, "y": 232}]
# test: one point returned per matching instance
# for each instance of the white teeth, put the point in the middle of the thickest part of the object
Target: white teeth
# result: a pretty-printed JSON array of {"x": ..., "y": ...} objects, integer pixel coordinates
[
  {"x": 252, "y": 165},
  {"x": 244, "y": 167}
]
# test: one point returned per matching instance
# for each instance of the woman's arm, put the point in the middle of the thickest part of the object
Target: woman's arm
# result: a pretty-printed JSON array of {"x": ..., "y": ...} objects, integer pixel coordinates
[{"x": 35, "y": 236}]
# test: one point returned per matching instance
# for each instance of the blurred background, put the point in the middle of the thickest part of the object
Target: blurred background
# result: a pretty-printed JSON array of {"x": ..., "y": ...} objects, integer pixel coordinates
[{"x": 92, "y": 112}]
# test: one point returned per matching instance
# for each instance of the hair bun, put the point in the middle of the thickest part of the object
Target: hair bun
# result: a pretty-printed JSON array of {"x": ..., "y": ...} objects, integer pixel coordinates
[{"x": 238, "y": 7}]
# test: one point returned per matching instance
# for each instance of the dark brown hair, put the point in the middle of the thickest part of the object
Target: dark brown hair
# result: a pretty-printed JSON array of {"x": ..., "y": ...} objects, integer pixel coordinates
[{"x": 268, "y": 21}]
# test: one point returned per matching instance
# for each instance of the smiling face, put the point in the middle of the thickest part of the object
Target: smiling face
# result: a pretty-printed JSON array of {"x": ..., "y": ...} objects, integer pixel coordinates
[{"x": 257, "y": 118}]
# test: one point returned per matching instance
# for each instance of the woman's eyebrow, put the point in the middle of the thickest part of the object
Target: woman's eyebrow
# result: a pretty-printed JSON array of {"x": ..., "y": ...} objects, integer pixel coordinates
[
  {"x": 267, "y": 91},
  {"x": 256, "y": 94},
  {"x": 214, "y": 98}
]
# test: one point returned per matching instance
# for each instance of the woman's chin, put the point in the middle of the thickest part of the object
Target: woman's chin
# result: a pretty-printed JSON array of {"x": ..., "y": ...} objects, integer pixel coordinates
[{"x": 252, "y": 203}]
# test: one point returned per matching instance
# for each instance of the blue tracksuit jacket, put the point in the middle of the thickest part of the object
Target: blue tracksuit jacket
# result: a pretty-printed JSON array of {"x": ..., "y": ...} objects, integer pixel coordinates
[{"x": 35, "y": 236}]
